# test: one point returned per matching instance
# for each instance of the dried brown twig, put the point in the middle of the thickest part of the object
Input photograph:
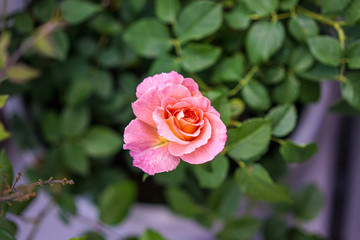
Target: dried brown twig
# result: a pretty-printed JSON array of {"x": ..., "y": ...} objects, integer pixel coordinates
[{"x": 19, "y": 193}]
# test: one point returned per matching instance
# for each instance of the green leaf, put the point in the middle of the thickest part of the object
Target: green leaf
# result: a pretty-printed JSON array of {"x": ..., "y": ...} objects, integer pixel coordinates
[
  {"x": 352, "y": 12},
  {"x": 5, "y": 38},
  {"x": 86, "y": 46},
  {"x": 5, "y": 168},
  {"x": 344, "y": 108},
  {"x": 45, "y": 45},
  {"x": 181, "y": 202},
  {"x": 106, "y": 24},
  {"x": 137, "y": 5},
  {"x": 50, "y": 123},
  {"x": 239, "y": 18},
  {"x": 287, "y": 5},
  {"x": 75, "y": 159},
  {"x": 115, "y": 201},
  {"x": 301, "y": 60},
  {"x": 211, "y": 177},
  {"x": 321, "y": 72},
  {"x": 333, "y": 6},
  {"x": 283, "y": 119},
  {"x": 43, "y": 10},
  {"x": 288, "y": 91},
  {"x": 102, "y": 141},
  {"x": 263, "y": 40},
  {"x": 219, "y": 100},
  {"x": 275, "y": 229},
  {"x": 4, "y": 235},
  {"x": 67, "y": 203},
  {"x": 172, "y": 178},
  {"x": 165, "y": 63},
  {"x": 3, "y": 99},
  {"x": 237, "y": 107},
  {"x": 3, "y": 133},
  {"x": 151, "y": 235},
  {"x": 198, "y": 20},
  {"x": 62, "y": 45},
  {"x": 308, "y": 202},
  {"x": 350, "y": 90},
  {"x": 309, "y": 91},
  {"x": 283, "y": 55},
  {"x": 240, "y": 229},
  {"x": 75, "y": 121},
  {"x": 166, "y": 10},
  {"x": 197, "y": 57},
  {"x": 77, "y": 11},
  {"x": 249, "y": 140},
  {"x": 273, "y": 75},
  {"x": 293, "y": 153},
  {"x": 110, "y": 58},
  {"x": 94, "y": 236},
  {"x": 102, "y": 83},
  {"x": 229, "y": 69},
  {"x": 353, "y": 55},
  {"x": 255, "y": 182},
  {"x": 8, "y": 226},
  {"x": 21, "y": 73},
  {"x": 224, "y": 200},
  {"x": 262, "y": 7},
  {"x": 24, "y": 23},
  {"x": 256, "y": 96},
  {"x": 302, "y": 27},
  {"x": 148, "y": 37},
  {"x": 78, "y": 92},
  {"x": 79, "y": 238},
  {"x": 326, "y": 50}
]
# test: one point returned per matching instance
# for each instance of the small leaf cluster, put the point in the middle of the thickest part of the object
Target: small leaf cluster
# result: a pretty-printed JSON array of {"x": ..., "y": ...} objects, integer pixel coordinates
[{"x": 258, "y": 61}]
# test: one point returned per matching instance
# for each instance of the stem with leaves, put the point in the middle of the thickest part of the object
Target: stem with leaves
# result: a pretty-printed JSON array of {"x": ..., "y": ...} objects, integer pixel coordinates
[{"x": 244, "y": 81}]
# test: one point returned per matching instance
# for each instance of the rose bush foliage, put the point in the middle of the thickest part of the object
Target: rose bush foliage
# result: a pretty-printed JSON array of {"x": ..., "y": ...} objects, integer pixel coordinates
[{"x": 258, "y": 62}]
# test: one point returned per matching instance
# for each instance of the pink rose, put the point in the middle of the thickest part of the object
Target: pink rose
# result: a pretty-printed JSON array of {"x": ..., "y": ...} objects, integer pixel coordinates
[{"x": 173, "y": 120}]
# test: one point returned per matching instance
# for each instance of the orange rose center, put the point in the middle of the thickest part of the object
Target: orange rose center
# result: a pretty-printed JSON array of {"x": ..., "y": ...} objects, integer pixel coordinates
[{"x": 183, "y": 122}]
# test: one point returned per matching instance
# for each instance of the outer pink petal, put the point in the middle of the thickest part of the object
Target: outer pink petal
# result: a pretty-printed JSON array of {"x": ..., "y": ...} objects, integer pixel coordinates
[
  {"x": 144, "y": 107},
  {"x": 164, "y": 129},
  {"x": 175, "y": 91},
  {"x": 192, "y": 86},
  {"x": 159, "y": 81},
  {"x": 148, "y": 149},
  {"x": 205, "y": 134},
  {"x": 213, "y": 147}
]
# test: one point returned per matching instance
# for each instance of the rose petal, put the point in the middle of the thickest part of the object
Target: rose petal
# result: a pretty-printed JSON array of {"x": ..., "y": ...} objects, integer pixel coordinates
[
  {"x": 171, "y": 122},
  {"x": 163, "y": 128},
  {"x": 144, "y": 107},
  {"x": 175, "y": 91},
  {"x": 201, "y": 102},
  {"x": 212, "y": 148},
  {"x": 204, "y": 136},
  {"x": 159, "y": 81},
  {"x": 148, "y": 149},
  {"x": 168, "y": 101},
  {"x": 192, "y": 86}
]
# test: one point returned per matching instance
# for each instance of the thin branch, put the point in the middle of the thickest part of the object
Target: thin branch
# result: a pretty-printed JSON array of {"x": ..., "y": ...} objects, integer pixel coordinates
[
  {"x": 44, "y": 31},
  {"x": 244, "y": 81},
  {"x": 25, "y": 192}
]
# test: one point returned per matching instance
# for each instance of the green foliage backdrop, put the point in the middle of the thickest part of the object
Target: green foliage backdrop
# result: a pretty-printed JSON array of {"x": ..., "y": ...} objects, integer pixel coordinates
[{"x": 258, "y": 61}]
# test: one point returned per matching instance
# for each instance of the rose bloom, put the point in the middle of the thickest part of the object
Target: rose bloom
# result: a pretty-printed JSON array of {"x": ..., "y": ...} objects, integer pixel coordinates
[{"x": 173, "y": 120}]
